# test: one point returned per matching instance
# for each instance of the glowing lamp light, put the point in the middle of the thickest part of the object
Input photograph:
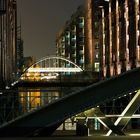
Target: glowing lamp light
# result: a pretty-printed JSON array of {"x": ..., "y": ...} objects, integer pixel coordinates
[
  {"x": 28, "y": 74},
  {"x": 63, "y": 69}
]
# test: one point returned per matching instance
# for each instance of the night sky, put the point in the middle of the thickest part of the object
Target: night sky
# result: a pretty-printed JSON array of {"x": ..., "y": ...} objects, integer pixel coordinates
[{"x": 41, "y": 20}]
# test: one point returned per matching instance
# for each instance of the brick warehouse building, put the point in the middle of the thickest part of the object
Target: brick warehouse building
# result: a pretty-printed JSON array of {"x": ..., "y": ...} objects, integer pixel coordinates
[
  {"x": 112, "y": 38},
  {"x": 119, "y": 45},
  {"x": 74, "y": 41},
  {"x": 119, "y": 36}
]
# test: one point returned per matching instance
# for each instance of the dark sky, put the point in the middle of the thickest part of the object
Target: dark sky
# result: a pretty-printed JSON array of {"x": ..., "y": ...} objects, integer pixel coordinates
[{"x": 41, "y": 20}]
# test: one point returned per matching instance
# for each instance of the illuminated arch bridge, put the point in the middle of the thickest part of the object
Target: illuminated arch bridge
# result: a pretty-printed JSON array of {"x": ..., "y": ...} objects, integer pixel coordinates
[{"x": 50, "y": 68}]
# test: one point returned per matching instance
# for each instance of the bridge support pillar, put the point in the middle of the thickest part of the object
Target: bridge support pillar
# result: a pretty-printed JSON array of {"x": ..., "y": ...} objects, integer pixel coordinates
[
  {"x": 96, "y": 112},
  {"x": 64, "y": 127},
  {"x": 126, "y": 115},
  {"x": 81, "y": 128}
]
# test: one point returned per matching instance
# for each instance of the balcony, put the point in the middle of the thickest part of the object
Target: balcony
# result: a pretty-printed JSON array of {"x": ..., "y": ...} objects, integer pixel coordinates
[
  {"x": 81, "y": 35},
  {"x": 63, "y": 53},
  {"x": 81, "y": 22},
  {"x": 63, "y": 47},
  {"x": 81, "y": 61},
  {"x": 73, "y": 55},
  {"x": 73, "y": 30},
  {"x": 73, "y": 39},
  {"x": 74, "y": 47},
  {"x": 81, "y": 52},
  {"x": 81, "y": 25}
]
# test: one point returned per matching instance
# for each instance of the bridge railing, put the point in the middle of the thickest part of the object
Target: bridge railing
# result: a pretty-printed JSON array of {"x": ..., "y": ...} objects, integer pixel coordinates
[{"x": 83, "y": 76}]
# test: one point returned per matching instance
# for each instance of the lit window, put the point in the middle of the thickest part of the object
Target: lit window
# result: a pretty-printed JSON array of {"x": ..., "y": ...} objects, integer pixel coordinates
[
  {"x": 97, "y": 56},
  {"x": 67, "y": 34},
  {"x": 97, "y": 125},
  {"x": 96, "y": 67},
  {"x": 81, "y": 61},
  {"x": 97, "y": 45}
]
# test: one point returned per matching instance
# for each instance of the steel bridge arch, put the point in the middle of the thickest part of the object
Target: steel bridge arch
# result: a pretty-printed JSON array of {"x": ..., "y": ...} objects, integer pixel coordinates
[{"x": 55, "y": 59}]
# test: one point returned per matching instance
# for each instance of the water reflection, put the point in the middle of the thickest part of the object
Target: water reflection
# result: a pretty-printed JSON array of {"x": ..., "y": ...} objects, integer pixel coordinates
[
  {"x": 36, "y": 98},
  {"x": 20, "y": 101}
]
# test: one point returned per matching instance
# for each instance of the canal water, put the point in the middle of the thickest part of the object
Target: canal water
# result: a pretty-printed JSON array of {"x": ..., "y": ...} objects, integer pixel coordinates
[{"x": 20, "y": 101}]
